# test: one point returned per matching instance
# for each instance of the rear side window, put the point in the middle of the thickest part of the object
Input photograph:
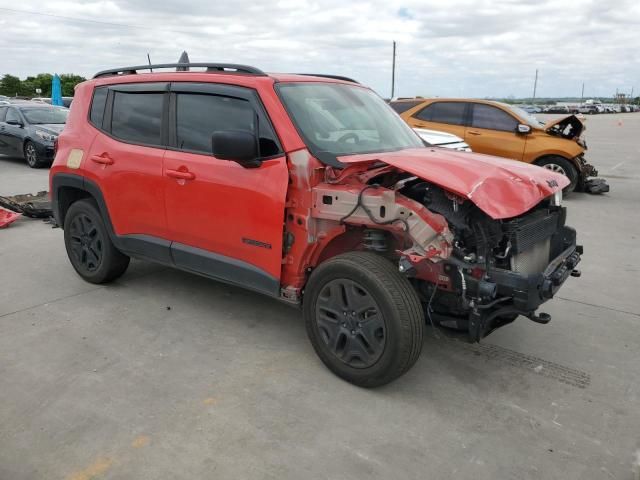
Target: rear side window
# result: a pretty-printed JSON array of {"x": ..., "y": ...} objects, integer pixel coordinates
[
  {"x": 492, "y": 118},
  {"x": 443, "y": 112},
  {"x": 97, "y": 106},
  {"x": 402, "y": 107},
  {"x": 3, "y": 113},
  {"x": 199, "y": 115},
  {"x": 137, "y": 117}
]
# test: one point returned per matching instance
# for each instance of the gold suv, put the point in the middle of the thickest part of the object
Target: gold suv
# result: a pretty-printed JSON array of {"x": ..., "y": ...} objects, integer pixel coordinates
[{"x": 495, "y": 128}]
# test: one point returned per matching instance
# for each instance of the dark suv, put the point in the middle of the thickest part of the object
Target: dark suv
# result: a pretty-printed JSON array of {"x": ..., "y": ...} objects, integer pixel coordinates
[{"x": 311, "y": 190}]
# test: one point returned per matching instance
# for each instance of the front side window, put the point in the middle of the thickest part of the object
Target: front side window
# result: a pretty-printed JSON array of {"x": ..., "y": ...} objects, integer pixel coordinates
[
  {"x": 3, "y": 113},
  {"x": 137, "y": 117},
  {"x": 492, "y": 118},
  {"x": 12, "y": 115},
  {"x": 345, "y": 119},
  {"x": 40, "y": 116},
  {"x": 200, "y": 115},
  {"x": 443, "y": 112}
]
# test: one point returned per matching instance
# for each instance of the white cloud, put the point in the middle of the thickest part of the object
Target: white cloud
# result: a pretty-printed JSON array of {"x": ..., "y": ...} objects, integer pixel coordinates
[{"x": 454, "y": 48}]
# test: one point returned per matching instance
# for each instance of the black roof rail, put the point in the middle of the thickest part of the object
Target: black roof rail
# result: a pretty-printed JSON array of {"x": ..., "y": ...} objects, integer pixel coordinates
[
  {"x": 211, "y": 68},
  {"x": 335, "y": 77}
]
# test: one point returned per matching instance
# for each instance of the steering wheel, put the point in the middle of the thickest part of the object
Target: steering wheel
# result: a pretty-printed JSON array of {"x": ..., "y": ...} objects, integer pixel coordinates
[{"x": 348, "y": 136}]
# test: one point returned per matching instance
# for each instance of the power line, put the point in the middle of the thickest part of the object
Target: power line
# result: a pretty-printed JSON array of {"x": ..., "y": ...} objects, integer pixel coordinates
[{"x": 75, "y": 19}]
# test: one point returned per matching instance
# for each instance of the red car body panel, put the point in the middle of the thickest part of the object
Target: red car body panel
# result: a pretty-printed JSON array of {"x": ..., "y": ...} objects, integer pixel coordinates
[
  {"x": 228, "y": 208},
  {"x": 501, "y": 188}
]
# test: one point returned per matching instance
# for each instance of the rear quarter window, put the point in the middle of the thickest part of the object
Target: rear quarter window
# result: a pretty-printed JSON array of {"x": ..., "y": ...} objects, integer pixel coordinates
[{"x": 97, "y": 106}]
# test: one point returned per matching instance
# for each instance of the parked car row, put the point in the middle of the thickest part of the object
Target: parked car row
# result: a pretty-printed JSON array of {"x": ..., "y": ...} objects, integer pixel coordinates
[
  {"x": 4, "y": 100},
  {"x": 592, "y": 109}
]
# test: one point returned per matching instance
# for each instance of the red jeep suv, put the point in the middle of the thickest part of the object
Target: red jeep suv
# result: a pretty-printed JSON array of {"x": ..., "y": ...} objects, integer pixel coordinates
[{"x": 312, "y": 190}]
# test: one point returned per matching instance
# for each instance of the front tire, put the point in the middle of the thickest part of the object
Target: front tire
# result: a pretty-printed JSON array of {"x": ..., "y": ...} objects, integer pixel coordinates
[
  {"x": 32, "y": 156},
  {"x": 564, "y": 167},
  {"x": 89, "y": 247},
  {"x": 364, "y": 319}
]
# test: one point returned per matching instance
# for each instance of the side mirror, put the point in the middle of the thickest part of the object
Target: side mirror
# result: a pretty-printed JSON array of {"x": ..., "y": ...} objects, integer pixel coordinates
[
  {"x": 239, "y": 146},
  {"x": 17, "y": 123},
  {"x": 522, "y": 128}
]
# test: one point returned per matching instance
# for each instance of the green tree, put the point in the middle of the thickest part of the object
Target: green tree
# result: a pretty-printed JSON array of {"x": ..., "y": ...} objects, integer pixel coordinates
[
  {"x": 69, "y": 82},
  {"x": 10, "y": 85}
]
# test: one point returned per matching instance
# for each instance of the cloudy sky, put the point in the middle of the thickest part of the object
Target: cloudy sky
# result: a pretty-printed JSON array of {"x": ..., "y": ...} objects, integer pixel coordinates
[{"x": 473, "y": 48}]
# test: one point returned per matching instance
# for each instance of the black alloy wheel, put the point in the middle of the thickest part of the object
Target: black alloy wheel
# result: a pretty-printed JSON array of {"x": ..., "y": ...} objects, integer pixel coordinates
[{"x": 350, "y": 323}]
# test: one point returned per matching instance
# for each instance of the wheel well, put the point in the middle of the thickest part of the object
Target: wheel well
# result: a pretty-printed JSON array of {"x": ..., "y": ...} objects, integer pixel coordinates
[
  {"x": 67, "y": 196},
  {"x": 572, "y": 161}
]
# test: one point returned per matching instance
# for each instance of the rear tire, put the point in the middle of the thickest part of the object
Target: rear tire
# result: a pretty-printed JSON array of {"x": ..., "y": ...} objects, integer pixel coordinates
[
  {"x": 564, "y": 167},
  {"x": 89, "y": 247},
  {"x": 31, "y": 155},
  {"x": 364, "y": 319}
]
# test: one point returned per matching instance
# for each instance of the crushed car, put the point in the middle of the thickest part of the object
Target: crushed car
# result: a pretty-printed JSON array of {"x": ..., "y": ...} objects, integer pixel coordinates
[
  {"x": 496, "y": 128},
  {"x": 311, "y": 190}
]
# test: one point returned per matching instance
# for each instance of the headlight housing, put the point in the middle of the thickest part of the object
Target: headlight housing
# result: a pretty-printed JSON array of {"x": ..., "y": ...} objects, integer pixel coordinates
[{"x": 46, "y": 135}]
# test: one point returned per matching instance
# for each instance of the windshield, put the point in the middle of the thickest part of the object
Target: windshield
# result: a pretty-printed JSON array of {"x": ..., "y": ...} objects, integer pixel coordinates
[
  {"x": 526, "y": 116},
  {"x": 345, "y": 119},
  {"x": 36, "y": 116}
]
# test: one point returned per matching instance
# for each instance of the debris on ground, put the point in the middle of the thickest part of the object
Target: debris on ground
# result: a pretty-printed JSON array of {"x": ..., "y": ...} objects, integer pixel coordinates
[
  {"x": 596, "y": 185},
  {"x": 34, "y": 206},
  {"x": 7, "y": 217}
]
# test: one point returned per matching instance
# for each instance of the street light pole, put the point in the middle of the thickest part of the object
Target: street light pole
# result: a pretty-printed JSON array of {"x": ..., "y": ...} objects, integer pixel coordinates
[
  {"x": 535, "y": 86},
  {"x": 393, "y": 71}
]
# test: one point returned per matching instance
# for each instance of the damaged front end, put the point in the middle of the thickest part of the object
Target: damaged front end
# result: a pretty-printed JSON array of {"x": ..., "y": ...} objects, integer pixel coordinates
[
  {"x": 498, "y": 268},
  {"x": 572, "y": 128},
  {"x": 474, "y": 273}
]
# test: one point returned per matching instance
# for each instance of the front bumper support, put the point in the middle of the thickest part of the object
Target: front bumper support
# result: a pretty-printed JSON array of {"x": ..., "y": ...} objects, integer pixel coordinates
[{"x": 525, "y": 293}]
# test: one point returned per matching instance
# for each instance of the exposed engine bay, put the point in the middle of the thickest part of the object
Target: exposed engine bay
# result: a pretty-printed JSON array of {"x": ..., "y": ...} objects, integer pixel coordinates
[
  {"x": 498, "y": 269},
  {"x": 569, "y": 127},
  {"x": 473, "y": 273}
]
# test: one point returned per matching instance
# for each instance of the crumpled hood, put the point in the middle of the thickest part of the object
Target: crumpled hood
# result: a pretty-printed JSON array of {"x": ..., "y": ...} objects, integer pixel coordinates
[
  {"x": 568, "y": 127},
  {"x": 501, "y": 188}
]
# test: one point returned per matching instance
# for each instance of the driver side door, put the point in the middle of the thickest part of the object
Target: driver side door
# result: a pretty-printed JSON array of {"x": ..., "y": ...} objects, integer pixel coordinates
[{"x": 225, "y": 221}]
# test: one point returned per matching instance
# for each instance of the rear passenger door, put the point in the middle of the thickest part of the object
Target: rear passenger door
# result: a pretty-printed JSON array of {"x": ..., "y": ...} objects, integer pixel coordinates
[
  {"x": 442, "y": 116},
  {"x": 226, "y": 220},
  {"x": 494, "y": 132},
  {"x": 125, "y": 160}
]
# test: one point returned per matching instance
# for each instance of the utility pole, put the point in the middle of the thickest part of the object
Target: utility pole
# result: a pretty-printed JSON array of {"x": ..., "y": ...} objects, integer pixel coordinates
[
  {"x": 393, "y": 71},
  {"x": 535, "y": 86},
  {"x": 582, "y": 95}
]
